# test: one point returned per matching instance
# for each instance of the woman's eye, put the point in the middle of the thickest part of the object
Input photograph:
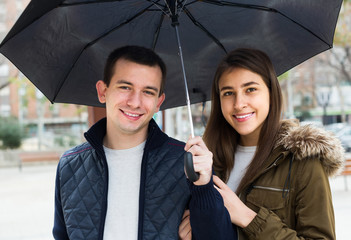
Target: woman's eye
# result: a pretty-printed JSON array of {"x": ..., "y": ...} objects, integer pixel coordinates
[
  {"x": 228, "y": 94},
  {"x": 251, "y": 89}
]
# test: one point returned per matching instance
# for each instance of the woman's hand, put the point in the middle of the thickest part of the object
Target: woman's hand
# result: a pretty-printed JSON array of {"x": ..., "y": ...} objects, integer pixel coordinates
[
  {"x": 239, "y": 213},
  {"x": 202, "y": 159},
  {"x": 185, "y": 227}
]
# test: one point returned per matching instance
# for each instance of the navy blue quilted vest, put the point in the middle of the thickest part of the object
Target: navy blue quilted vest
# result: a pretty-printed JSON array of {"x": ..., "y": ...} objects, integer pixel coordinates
[{"x": 82, "y": 183}]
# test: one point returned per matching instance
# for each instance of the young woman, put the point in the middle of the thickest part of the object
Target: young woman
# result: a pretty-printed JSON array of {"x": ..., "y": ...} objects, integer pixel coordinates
[{"x": 271, "y": 175}]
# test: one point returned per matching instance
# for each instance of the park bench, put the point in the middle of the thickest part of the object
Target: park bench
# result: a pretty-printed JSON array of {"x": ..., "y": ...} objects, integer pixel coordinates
[{"x": 38, "y": 157}]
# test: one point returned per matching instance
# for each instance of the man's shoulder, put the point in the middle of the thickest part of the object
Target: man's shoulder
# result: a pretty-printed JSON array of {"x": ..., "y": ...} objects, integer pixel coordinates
[
  {"x": 159, "y": 139},
  {"x": 170, "y": 149},
  {"x": 172, "y": 142},
  {"x": 75, "y": 152},
  {"x": 79, "y": 149}
]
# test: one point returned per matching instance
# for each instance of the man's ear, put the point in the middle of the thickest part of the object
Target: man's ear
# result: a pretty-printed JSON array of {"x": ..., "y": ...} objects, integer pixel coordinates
[
  {"x": 160, "y": 101},
  {"x": 101, "y": 91}
]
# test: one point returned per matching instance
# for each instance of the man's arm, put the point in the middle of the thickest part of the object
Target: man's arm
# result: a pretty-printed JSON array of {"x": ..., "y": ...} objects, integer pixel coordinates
[
  {"x": 208, "y": 216},
  {"x": 59, "y": 231}
]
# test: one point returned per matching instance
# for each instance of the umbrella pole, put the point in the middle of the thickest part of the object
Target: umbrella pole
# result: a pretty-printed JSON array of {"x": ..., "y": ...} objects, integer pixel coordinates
[
  {"x": 185, "y": 83},
  {"x": 188, "y": 157}
]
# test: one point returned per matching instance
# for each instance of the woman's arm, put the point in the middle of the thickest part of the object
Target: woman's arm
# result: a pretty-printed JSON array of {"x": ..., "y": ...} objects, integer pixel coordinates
[
  {"x": 240, "y": 214},
  {"x": 313, "y": 209}
]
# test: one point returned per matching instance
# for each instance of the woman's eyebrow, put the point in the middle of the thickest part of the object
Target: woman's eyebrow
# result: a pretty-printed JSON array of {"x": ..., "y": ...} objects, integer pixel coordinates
[
  {"x": 243, "y": 85},
  {"x": 249, "y": 83},
  {"x": 226, "y": 88}
]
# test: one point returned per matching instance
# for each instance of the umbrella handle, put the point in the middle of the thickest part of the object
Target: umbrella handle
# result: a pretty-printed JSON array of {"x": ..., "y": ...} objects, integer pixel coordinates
[{"x": 189, "y": 167}]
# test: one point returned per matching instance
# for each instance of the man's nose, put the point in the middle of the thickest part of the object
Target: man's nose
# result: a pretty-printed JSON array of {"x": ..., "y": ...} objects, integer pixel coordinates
[{"x": 134, "y": 99}]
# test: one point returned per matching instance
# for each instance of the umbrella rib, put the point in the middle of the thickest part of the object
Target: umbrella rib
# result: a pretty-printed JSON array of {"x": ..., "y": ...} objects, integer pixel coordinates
[
  {"x": 199, "y": 25},
  {"x": 159, "y": 6},
  {"x": 97, "y": 39},
  {"x": 88, "y": 2},
  {"x": 157, "y": 33},
  {"x": 183, "y": 4},
  {"x": 263, "y": 8},
  {"x": 308, "y": 30}
]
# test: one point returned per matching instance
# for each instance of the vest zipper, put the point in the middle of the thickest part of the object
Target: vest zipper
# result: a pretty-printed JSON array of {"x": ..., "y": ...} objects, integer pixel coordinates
[{"x": 142, "y": 185}]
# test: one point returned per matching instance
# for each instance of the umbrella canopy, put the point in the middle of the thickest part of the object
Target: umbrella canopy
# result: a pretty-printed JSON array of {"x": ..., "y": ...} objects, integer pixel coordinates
[{"x": 61, "y": 45}]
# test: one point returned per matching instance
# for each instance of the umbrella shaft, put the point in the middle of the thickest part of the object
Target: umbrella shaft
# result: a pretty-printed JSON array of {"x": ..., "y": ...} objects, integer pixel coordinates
[{"x": 185, "y": 82}]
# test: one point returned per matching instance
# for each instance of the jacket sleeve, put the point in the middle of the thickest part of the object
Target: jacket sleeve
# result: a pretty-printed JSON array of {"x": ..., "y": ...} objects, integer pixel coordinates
[
  {"x": 209, "y": 218},
  {"x": 59, "y": 230},
  {"x": 313, "y": 209}
]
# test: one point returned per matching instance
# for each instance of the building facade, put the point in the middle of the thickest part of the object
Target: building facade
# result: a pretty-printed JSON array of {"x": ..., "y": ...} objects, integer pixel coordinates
[{"x": 62, "y": 124}]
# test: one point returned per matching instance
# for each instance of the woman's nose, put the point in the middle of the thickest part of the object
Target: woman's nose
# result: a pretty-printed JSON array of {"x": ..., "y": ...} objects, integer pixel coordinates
[{"x": 239, "y": 102}]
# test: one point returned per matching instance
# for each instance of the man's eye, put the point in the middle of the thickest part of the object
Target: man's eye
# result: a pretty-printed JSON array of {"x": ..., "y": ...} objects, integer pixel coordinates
[
  {"x": 150, "y": 93},
  {"x": 124, "y": 87}
]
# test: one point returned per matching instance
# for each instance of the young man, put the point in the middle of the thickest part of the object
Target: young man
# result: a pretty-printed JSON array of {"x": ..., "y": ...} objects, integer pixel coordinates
[{"x": 127, "y": 181}]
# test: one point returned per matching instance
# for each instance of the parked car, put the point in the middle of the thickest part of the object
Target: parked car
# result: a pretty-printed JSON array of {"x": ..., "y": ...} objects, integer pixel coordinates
[
  {"x": 343, "y": 132},
  {"x": 315, "y": 123},
  {"x": 336, "y": 127}
]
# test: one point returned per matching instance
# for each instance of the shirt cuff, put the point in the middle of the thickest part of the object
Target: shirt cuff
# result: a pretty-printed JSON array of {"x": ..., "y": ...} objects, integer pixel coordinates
[{"x": 205, "y": 196}]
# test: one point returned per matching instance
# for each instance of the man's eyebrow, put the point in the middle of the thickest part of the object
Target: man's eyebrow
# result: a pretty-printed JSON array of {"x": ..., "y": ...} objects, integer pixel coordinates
[
  {"x": 152, "y": 88},
  {"x": 123, "y": 82},
  {"x": 131, "y": 84}
]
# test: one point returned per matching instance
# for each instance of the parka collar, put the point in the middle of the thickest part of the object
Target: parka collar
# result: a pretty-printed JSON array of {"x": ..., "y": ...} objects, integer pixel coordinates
[{"x": 306, "y": 142}]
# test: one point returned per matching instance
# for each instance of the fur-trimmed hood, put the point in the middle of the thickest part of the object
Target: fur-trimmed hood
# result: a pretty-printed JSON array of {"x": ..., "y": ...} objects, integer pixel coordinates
[{"x": 310, "y": 141}]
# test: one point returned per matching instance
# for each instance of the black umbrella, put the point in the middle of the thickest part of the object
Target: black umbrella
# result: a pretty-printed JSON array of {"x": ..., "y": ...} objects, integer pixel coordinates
[{"x": 61, "y": 45}]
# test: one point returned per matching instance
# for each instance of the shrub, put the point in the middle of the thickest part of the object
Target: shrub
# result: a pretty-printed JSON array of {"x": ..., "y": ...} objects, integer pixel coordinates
[{"x": 10, "y": 133}]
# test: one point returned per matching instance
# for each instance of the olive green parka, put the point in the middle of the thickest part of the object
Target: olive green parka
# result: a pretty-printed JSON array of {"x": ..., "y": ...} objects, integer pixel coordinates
[{"x": 291, "y": 195}]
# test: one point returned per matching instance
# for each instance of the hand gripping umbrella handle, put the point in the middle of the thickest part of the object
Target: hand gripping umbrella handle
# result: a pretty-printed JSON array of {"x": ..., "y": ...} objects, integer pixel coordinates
[{"x": 189, "y": 167}]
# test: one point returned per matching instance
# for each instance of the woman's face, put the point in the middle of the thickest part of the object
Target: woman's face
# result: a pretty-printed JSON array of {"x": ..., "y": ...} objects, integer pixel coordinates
[{"x": 245, "y": 103}]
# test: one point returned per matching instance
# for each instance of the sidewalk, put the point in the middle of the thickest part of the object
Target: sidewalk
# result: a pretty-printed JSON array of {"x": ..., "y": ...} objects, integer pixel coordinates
[
  {"x": 342, "y": 206},
  {"x": 27, "y": 203}
]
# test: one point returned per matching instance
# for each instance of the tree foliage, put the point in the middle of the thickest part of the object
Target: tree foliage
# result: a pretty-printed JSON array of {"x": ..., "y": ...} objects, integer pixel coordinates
[
  {"x": 342, "y": 35},
  {"x": 10, "y": 133}
]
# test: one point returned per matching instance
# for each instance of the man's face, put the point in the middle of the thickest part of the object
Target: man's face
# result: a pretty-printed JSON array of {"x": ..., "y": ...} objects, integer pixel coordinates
[{"x": 132, "y": 97}]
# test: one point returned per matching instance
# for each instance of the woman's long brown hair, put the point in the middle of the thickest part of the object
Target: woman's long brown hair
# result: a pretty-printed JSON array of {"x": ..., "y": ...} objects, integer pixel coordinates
[{"x": 221, "y": 138}]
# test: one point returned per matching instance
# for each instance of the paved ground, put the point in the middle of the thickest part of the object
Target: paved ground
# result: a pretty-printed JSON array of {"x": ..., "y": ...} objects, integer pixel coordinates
[{"x": 27, "y": 203}]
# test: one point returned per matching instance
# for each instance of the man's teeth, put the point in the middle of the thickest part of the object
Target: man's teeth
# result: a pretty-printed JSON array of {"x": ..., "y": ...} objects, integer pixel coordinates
[
  {"x": 131, "y": 115},
  {"x": 244, "y": 116}
]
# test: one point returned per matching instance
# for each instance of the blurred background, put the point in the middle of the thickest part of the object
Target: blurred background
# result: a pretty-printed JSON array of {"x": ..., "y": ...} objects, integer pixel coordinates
[{"x": 34, "y": 132}]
